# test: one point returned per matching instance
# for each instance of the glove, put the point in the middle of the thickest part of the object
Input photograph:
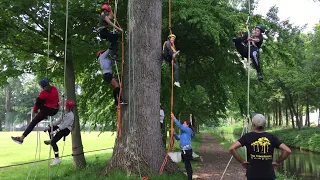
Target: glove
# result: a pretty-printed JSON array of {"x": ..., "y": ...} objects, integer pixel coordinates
[{"x": 54, "y": 132}]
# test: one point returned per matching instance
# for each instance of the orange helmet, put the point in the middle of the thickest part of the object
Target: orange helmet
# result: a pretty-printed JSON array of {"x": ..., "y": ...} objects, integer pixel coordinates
[
  {"x": 106, "y": 7},
  {"x": 99, "y": 52}
]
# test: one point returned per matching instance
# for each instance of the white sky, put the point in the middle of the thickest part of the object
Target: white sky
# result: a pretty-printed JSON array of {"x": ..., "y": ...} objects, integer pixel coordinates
[{"x": 299, "y": 12}]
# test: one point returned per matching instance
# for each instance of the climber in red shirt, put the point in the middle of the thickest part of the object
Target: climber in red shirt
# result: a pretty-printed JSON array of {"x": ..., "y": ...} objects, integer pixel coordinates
[{"x": 48, "y": 104}]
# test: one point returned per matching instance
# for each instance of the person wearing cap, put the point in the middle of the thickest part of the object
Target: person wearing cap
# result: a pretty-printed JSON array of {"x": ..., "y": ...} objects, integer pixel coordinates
[
  {"x": 105, "y": 20},
  {"x": 169, "y": 52},
  {"x": 161, "y": 116},
  {"x": 106, "y": 68},
  {"x": 60, "y": 128},
  {"x": 255, "y": 42},
  {"x": 260, "y": 146},
  {"x": 48, "y": 104}
]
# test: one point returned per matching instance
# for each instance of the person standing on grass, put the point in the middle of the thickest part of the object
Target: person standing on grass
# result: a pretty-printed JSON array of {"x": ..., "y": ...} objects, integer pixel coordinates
[
  {"x": 161, "y": 116},
  {"x": 260, "y": 147},
  {"x": 185, "y": 143}
]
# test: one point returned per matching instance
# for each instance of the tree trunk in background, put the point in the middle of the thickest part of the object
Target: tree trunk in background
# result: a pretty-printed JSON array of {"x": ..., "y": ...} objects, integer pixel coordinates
[
  {"x": 318, "y": 116},
  {"x": 8, "y": 106},
  {"x": 298, "y": 122},
  {"x": 280, "y": 114},
  {"x": 139, "y": 148},
  {"x": 292, "y": 118},
  {"x": 195, "y": 124},
  {"x": 307, "y": 111},
  {"x": 276, "y": 115},
  {"x": 287, "y": 117},
  {"x": 77, "y": 147},
  {"x": 268, "y": 119}
]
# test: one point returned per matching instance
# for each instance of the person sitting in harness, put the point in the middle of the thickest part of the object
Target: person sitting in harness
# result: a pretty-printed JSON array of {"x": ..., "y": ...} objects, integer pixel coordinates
[
  {"x": 48, "y": 104},
  {"x": 105, "y": 20},
  {"x": 61, "y": 128},
  {"x": 255, "y": 42},
  {"x": 169, "y": 51},
  {"x": 106, "y": 68}
]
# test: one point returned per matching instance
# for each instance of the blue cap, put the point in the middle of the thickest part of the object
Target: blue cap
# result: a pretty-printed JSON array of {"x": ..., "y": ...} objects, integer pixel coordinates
[{"x": 44, "y": 82}]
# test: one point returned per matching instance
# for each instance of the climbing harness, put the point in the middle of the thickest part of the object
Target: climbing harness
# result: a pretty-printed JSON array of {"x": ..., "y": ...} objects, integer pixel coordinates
[
  {"x": 247, "y": 119},
  {"x": 171, "y": 142}
]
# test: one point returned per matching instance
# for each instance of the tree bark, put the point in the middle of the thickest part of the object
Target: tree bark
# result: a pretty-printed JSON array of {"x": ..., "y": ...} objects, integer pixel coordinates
[
  {"x": 292, "y": 118},
  {"x": 307, "y": 112},
  {"x": 287, "y": 117},
  {"x": 8, "y": 106},
  {"x": 280, "y": 114},
  {"x": 276, "y": 114},
  {"x": 77, "y": 147},
  {"x": 139, "y": 148}
]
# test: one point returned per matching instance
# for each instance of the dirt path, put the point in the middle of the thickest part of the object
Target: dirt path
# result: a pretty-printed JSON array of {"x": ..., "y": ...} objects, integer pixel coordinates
[{"x": 215, "y": 159}]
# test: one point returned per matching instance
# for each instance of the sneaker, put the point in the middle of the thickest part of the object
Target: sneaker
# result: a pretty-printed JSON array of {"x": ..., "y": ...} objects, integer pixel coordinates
[
  {"x": 55, "y": 162},
  {"x": 47, "y": 142},
  {"x": 17, "y": 140},
  {"x": 260, "y": 78},
  {"x": 177, "y": 84},
  {"x": 123, "y": 103}
]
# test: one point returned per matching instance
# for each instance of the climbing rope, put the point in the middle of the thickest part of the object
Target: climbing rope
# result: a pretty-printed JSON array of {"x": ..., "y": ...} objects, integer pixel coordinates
[
  {"x": 49, "y": 34},
  {"x": 171, "y": 141},
  {"x": 247, "y": 119},
  {"x": 248, "y": 69},
  {"x": 37, "y": 151},
  {"x": 225, "y": 170},
  {"x": 122, "y": 66}
]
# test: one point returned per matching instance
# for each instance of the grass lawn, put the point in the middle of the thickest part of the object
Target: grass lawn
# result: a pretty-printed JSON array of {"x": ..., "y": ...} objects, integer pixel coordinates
[{"x": 13, "y": 153}]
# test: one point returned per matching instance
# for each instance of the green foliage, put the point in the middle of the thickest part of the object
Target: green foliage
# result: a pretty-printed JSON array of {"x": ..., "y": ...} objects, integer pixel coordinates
[{"x": 305, "y": 139}]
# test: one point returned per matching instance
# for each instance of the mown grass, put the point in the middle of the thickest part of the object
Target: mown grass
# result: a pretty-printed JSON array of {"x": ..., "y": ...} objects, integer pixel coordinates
[{"x": 13, "y": 153}]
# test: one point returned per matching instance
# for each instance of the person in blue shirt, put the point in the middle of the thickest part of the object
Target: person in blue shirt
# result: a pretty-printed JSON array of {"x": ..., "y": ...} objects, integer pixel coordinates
[{"x": 185, "y": 143}]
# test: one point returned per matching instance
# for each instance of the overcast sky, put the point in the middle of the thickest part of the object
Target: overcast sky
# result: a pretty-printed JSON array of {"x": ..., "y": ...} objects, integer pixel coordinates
[{"x": 300, "y": 12}]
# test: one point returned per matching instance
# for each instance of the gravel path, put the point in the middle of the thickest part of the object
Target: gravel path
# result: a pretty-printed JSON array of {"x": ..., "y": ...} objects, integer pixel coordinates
[{"x": 215, "y": 159}]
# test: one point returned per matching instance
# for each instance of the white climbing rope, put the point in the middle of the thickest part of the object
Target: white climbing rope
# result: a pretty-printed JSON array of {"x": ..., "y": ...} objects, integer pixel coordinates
[{"x": 247, "y": 119}]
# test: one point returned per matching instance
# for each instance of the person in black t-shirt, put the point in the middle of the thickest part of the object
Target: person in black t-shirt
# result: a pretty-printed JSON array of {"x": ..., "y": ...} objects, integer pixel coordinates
[
  {"x": 256, "y": 41},
  {"x": 260, "y": 147}
]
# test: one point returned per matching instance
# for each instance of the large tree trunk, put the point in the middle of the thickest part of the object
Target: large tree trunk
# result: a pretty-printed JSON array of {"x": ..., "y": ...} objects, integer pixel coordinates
[
  {"x": 77, "y": 148},
  {"x": 8, "y": 106},
  {"x": 139, "y": 147}
]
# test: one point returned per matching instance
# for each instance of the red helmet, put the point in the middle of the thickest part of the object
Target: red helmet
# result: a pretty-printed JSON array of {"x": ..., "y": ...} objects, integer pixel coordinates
[
  {"x": 70, "y": 104},
  {"x": 106, "y": 7},
  {"x": 99, "y": 52}
]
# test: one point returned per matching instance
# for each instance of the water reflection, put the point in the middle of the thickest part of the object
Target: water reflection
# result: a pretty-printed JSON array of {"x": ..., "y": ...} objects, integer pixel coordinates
[{"x": 300, "y": 164}]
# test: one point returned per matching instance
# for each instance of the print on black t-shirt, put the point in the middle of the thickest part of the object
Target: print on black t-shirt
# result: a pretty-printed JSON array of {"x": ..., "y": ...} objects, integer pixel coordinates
[{"x": 260, "y": 148}]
